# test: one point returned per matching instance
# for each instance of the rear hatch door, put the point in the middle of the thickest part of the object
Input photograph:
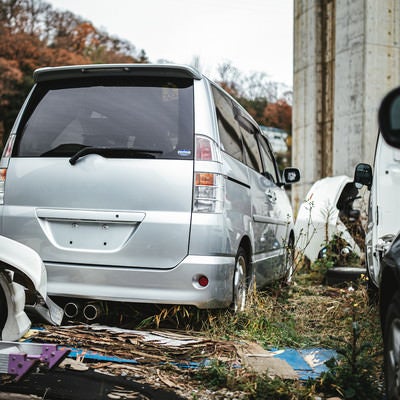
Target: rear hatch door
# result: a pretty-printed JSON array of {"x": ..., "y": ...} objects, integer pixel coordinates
[{"x": 102, "y": 171}]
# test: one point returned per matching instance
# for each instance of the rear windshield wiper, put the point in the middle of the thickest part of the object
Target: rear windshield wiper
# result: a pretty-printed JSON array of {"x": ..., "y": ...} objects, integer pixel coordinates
[
  {"x": 114, "y": 152},
  {"x": 63, "y": 150}
]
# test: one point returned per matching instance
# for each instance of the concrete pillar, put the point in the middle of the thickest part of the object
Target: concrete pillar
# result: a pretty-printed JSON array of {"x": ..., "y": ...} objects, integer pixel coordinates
[{"x": 346, "y": 57}]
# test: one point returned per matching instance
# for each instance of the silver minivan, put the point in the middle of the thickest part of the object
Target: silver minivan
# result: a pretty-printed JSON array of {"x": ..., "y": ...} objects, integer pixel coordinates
[{"x": 145, "y": 183}]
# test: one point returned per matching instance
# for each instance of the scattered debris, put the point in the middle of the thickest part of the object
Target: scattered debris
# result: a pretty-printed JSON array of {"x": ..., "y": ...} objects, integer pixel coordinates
[
  {"x": 102, "y": 343},
  {"x": 105, "y": 348}
]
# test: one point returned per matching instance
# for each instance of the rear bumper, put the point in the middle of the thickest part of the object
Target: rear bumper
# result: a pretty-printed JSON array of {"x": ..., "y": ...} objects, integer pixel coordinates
[{"x": 175, "y": 286}]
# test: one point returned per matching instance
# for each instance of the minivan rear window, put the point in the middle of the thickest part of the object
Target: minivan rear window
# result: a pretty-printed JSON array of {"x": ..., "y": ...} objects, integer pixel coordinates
[{"x": 63, "y": 117}]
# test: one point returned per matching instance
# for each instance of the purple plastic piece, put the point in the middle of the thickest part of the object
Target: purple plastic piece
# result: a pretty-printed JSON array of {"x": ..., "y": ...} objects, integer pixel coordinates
[
  {"x": 51, "y": 356},
  {"x": 20, "y": 364}
]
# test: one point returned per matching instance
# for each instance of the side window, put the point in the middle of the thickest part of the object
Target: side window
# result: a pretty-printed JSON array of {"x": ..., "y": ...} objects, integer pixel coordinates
[
  {"x": 227, "y": 125},
  {"x": 268, "y": 159},
  {"x": 251, "y": 152}
]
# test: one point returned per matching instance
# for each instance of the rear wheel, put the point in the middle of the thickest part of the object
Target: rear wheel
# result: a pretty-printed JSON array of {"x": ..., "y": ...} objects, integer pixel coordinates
[
  {"x": 240, "y": 281},
  {"x": 391, "y": 342}
]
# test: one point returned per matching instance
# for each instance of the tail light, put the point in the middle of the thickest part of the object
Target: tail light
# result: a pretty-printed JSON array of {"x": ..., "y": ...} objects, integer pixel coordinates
[
  {"x": 9, "y": 146},
  {"x": 4, "y": 164},
  {"x": 3, "y": 174},
  {"x": 209, "y": 186},
  {"x": 205, "y": 149}
]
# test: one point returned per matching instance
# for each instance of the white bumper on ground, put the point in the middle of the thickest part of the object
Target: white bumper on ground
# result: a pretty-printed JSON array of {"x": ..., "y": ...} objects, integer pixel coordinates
[{"x": 21, "y": 267}]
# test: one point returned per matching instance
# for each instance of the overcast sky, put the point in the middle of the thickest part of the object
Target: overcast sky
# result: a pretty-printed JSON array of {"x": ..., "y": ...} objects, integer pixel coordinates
[{"x": 254, "y": 35}]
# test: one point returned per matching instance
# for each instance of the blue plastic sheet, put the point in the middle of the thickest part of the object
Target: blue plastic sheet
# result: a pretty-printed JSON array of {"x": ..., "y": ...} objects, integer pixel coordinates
[
  {"x": 94, "y": 356},
  {"x": 308, "y": 363}
]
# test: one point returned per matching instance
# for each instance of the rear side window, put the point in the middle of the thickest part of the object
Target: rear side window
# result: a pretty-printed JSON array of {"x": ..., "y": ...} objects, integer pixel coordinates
[
  {"x": 128, "y": 113},
  {"x": 228, "y": 126},
  {"x": 268, "y": 159},
  {"x": 250, "y": 146}
]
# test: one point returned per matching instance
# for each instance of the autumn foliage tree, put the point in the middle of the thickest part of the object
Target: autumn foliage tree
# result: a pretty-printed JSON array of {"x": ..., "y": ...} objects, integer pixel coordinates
[
  {"x": 33, "y": 35},
  {"x": 279, "y": 115}
]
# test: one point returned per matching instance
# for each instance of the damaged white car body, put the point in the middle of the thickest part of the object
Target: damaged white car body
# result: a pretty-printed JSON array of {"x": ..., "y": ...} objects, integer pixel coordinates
[
  {"x": 322, "y": 215},
  {"x": 23, "y": 277}
]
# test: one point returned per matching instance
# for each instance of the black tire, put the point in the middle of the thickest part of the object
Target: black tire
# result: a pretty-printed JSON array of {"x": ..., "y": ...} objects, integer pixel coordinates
[
  {"x": 340, "y": 275},
  {"x": 3, "y": 310},
  {"x": 240, "y": 286},
  {"x": 372, "y": 290},
  {"x": 391, "y": 344}
]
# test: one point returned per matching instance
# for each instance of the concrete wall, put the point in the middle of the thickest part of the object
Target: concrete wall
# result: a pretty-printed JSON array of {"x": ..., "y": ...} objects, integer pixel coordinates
[
  {"x": 346, "y": 57},
  {"x": 305, "y": 88}
]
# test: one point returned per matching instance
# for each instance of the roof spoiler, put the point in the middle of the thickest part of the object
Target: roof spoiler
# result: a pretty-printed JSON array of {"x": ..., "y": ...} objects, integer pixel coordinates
[{"x": 81, "y": 71}]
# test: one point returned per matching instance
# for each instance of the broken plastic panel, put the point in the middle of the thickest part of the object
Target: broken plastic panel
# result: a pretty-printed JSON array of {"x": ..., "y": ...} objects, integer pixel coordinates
[{"x": 18, "y": 358}]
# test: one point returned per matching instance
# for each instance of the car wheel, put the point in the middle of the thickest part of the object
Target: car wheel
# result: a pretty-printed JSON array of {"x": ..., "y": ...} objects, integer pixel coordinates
[
  {"x": 240, "y": 281},
  {"x": 391, "y": 343},
  {"x": 3, "y": 310}
]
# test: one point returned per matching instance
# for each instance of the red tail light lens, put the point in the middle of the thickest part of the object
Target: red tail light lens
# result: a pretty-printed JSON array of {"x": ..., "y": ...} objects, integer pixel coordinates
[
  {"x": 9, "y": 146},
  {"x": 203, "y": 149}
]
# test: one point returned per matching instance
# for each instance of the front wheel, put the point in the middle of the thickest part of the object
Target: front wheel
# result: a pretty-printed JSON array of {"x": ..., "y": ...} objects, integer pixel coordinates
[
  {"x": 240, "y": 281},
  {"x": 391, "y": 342}
]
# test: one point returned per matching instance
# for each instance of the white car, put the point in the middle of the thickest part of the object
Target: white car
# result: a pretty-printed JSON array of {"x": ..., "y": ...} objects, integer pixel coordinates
[
  {"x": 319, "y": 219},
  {"x": 331, "y": 211},
  {"x": 383, "y": 237}
]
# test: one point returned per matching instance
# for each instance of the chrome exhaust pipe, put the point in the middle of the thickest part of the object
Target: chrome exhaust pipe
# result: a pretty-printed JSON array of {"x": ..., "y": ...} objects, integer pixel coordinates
[
  {"x": 71, "y": 310},
  {"x": 92, "y": 311}
]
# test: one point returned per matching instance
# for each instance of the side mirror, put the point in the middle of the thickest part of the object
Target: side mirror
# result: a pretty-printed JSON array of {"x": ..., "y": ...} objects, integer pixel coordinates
[
  {"x": 389, "y": 118},
  {"x": 290, "y": 175},
  {"x": 363, "y": 175}
]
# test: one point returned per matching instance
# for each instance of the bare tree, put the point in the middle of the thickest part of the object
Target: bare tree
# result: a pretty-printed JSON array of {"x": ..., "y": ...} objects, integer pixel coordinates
[{"x": 258, "y": 86}]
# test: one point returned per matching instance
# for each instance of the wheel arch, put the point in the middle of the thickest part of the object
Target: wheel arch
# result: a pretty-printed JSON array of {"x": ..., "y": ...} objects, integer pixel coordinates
[{"x": 245, "y": 244}]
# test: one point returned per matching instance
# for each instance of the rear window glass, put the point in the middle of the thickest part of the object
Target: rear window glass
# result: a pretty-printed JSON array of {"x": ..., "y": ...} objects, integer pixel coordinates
[{"x": 148, "y": 113}]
